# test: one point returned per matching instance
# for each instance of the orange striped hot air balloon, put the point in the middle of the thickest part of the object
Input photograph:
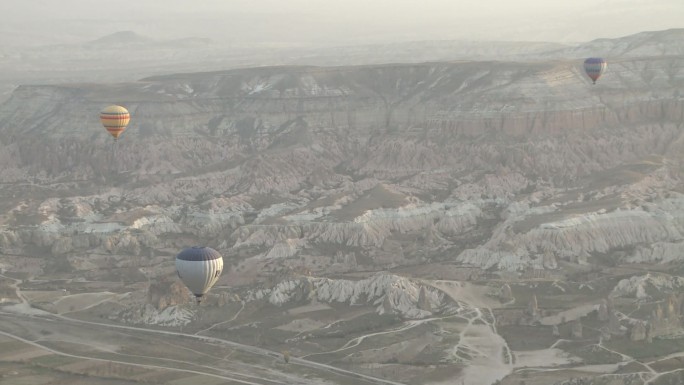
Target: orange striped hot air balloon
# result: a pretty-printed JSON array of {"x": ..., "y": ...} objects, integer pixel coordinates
[{"x": 115, "y": 119}]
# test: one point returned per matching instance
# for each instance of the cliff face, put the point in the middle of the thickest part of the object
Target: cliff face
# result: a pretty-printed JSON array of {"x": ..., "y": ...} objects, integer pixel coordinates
[
  {"x": 163, "y": 294},
  {"x": 505, "y": 165},
  {"x": 388, "y": 293},
  {"x": 380, "y": 121}
]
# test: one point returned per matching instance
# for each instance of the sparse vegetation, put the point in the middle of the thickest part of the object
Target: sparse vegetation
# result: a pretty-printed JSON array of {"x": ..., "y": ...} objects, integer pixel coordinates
[
  {"x": 368, "y": 216},
  {"x": 640, "y": 350}
]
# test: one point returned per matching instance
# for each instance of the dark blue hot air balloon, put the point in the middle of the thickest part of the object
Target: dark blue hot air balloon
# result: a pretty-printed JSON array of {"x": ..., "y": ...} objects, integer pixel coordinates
[{"x": 595, "y": 66}]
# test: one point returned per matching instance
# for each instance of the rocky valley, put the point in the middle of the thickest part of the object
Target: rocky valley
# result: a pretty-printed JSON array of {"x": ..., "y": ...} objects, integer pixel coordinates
[{"x": 420, "y": 223}]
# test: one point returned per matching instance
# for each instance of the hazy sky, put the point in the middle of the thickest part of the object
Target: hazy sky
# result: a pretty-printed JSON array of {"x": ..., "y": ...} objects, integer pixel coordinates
[{"x": 336, "y": 21}]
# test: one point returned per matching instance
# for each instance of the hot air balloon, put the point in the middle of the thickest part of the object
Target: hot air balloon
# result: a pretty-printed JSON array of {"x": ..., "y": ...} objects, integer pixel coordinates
[
  {"x": 199, "y": 268},
  {"x": 115, "y": 119},
  {"x": 595, "y": 66}
]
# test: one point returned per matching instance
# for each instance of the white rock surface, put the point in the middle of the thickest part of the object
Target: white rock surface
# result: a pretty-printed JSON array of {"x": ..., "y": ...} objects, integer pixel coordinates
[
  {"x": 400, "y": 293},
  {"x": 637, "y": 286}
]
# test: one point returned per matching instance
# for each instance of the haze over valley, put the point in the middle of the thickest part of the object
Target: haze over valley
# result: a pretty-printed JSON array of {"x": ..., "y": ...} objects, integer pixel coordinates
[{"x": 424, "y": 211}]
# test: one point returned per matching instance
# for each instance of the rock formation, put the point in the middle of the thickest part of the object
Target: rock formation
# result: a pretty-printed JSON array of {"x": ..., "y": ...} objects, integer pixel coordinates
[
  {"x": 389, "y": 293},
  {"x": 614, "y": 325},
  {"x": 576, "y": 329},
  {"x": 638, "y": 332},
  {"x": 603, "y": 314},
  {"x": 666, "y": 320},
  {"x": 423, "y": 301},
  {"x": 606, "y": 335},
  {"x": 505, "y": 293},
  {"x": 532, "y": 307},
  {"x": 165, "y": 293}
]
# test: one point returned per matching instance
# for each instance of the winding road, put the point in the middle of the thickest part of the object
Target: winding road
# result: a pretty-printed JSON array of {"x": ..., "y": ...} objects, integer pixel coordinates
[{"x": 56, "y": 318}]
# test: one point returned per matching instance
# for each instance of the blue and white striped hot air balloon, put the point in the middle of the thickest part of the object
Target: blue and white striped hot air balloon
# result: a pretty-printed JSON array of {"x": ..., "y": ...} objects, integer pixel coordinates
[{"x": 199, "y": 268}]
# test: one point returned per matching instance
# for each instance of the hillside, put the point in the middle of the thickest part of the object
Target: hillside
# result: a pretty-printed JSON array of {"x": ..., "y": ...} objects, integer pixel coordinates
[{"x": 415, "y": 222}]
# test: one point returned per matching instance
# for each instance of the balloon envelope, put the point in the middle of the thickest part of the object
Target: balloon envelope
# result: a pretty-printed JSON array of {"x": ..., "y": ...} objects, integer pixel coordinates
[
  {"x": 115, "y": 119},
  {"x": 199, "y": 268},
  {"x": 595, "y": 66}
]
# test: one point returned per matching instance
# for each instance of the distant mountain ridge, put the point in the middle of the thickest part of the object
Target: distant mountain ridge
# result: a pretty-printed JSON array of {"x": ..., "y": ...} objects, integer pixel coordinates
[
  {"x": 662, "y": 43},
  {"x": 97, "y": 63},
  {"x": 121, "y": 37},
  {"x": 131, "y": 38},
  {"x": 651, "y": 43}
]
